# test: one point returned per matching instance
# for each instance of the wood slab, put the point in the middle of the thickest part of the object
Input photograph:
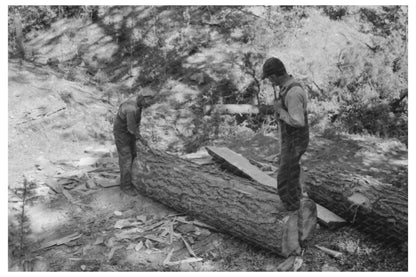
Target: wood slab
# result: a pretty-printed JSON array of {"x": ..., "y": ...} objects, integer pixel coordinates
[{"x": 242, "y": 165}]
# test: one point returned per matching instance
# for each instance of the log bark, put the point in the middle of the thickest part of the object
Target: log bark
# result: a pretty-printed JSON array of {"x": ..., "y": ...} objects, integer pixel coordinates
[
  {"x": 245, "y": 209},
  {"x": 375, "y": 207}
]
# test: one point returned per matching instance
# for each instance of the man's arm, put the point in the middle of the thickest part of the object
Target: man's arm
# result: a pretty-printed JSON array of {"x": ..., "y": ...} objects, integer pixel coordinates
[
  {"x": 131, "y": 122},
  {"x": 138, "y": 121},
  {"x": 295, "y": 104}
]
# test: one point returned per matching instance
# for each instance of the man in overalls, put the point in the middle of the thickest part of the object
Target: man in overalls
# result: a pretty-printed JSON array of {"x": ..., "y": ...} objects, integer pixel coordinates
[
  {"x": 126, "y": 132},
  {"x": 291, "y": 109}
]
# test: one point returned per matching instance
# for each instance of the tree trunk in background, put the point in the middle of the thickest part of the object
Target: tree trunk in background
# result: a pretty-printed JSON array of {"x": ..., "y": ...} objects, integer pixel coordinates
[
  {"x": 19, "y": 37},
  {"x": 373, "y": 206},
  {"x": 234, "y": 205}
]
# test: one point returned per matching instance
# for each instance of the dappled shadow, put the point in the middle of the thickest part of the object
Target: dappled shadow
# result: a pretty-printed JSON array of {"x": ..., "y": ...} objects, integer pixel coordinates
[{"x": 385, "y": 161}]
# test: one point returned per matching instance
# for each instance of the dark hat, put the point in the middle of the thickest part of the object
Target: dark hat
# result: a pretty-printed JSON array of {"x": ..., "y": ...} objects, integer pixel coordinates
[{"x": 273, "y": 66}]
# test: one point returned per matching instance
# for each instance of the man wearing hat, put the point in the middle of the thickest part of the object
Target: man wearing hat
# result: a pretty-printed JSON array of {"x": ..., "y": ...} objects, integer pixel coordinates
[
  {"x": 126, "y": 132},
  {"x": 291, "y": 112}
]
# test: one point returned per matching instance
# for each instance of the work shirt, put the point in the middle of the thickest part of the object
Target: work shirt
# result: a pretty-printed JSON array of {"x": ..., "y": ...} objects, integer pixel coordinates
[
  {"x": 296, "y": 101},
  {"x": 130, "y": 115}
]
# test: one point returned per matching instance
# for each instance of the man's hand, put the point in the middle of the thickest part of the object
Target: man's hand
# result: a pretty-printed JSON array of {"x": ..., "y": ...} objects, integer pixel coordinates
[
  {"x": 278, "y": 106},
  {"x": 142, "y": 140}
]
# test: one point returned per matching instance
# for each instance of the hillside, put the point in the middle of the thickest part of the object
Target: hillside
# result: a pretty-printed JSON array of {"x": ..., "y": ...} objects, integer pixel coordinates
[{"x": 63, "y": 95}]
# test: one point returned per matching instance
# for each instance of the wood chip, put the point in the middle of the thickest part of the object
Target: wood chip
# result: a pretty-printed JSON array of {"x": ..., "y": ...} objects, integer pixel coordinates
[
  {"x": 90, "y": 184},
  {"x": 138, "y": 246},
  {"x": 186, "y": 228},
  {"x": 87, "y": 161},
  {"x": 129, "y": 234},
  {"x": 110, "y": 242},
  {"x": 297, "y": 263},
  {"x": 106, "y": 183},
  {"x": 131, "y": 246},
  {"x": 191, "y": 252},
  {"x": 154, "y": 238},
  {"x": 68, "y": 196},
  {"x": 55, "y": 186},
  {"x": 148, "y": 244},
  {"x": 141, "y": 218},
  {"x": 60, "y": 241},
  {"x": 118, "y": 213},
  {"x": 124, "y": 223},
  {"x": 112, "y": 251},
  {"x": 167, "y": 259},
  {"x": 287, "y": 264},
  {"x": 99, "y": 240}
]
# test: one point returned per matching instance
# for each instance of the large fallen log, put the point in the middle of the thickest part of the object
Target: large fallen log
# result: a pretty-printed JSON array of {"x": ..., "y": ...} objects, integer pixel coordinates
[
  {"x": 245, "y": 209},
  {"x": 375, "y": 207},
  {"x": 241, "y": 166}
]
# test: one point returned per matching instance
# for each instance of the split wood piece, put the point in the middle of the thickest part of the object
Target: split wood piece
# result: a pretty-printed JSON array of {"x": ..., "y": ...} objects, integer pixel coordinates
[
  {"x": 239, "y": 109},
  {"x": 243, "y": 208},
  {"x": 87, "y": 161},
  {"x": 60, "y": 241},
  {"x": 106, "y": 183},
  {"x": 196, "y": 155},
  {"x": 243, "y": 166},
  {"x": 330, "y": 252},
  {"x": 329, "y": 219},
  {"x": 54, "y": 185},
  {"x": 286, "y": 265},
  {"x": 68, "y": 196},
  {"x": 375, "y": 207},
  {"x": 203, "y": 161},
  {"x": 196, "y": 223}
]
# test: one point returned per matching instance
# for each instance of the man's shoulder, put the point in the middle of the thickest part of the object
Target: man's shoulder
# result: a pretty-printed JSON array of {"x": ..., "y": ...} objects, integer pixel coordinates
[
  {"x": 294, "y": 83},
  {"x": 295, "y": 90},
  {"x": 129, "y": 105}
]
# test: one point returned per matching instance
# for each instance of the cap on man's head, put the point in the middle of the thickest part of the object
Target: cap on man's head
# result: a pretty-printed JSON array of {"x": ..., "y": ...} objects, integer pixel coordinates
[{"x": 273, "y": 66}]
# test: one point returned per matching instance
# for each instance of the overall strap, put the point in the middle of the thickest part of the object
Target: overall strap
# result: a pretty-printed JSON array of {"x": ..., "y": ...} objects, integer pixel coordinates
[{"x": 288, "y": 88}]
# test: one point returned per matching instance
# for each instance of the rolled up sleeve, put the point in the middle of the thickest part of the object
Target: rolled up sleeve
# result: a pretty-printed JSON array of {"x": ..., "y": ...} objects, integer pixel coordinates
[{"x": 131, "y": 122}]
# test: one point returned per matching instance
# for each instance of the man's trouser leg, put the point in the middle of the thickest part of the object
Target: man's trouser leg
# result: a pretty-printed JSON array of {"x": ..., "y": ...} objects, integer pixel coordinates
[
  {"x": 288, "y": 185},
  {"x": 125, "y": 144}
]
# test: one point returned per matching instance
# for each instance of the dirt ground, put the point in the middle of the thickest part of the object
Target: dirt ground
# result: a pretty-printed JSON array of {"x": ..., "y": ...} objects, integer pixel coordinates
[{"x": 76, "y": 219}]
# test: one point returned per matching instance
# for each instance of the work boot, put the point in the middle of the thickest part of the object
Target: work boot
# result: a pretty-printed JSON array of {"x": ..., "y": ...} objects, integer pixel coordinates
[{"x": 129, "y": 190}]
